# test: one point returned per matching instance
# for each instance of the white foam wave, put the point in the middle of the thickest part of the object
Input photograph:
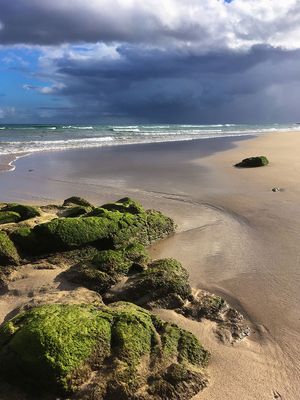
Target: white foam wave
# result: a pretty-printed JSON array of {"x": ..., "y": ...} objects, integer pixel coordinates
[
  {"x": 77, "y": 127},
  {"x": 127, "y": 129}
]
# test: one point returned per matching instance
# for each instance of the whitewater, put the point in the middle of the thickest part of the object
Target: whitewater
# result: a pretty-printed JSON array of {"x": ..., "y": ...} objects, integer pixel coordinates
[{"x": 20, "y": 139}]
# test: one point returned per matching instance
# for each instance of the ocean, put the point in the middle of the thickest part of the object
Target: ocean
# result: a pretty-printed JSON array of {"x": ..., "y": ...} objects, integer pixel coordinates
[{"x": 18, "y": 139}]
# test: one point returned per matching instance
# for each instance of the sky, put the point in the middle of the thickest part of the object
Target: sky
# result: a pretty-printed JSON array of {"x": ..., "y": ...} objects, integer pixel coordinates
[{"x": 149, "y": 61}]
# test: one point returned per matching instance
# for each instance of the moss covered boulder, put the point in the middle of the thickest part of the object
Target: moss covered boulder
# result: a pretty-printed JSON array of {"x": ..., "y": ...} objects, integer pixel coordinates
[
  {"x": 123, "y": 205},
  {"x": 7, "y": 217},
  {"x": 253, "y": 162},
  {"x": 75, "y": 211},
  {"x": 103, "y": 228},
  {"x": 133, "y": 354},
  {"x": 24, "y": 211},
  {"x": 163, "y": 283},
  {"x": 105, "y": 268},
  {"x": 75, "y": 200},
  {"x": 8, "y": 251}
]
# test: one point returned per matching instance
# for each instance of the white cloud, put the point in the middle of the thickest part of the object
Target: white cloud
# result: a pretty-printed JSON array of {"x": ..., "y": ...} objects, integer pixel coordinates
[
  {"x": 45, "y": 89},
  {"x": 197, "y": 25},
  {"x": 6, "y": 111}
]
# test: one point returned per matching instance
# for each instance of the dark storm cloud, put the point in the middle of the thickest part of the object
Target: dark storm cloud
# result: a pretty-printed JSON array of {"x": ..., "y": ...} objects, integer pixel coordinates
[
  {"x": 152, "y": 60},
  {"x": 205, "y": 24},
  {"x": 171, "y": 87},
  {"x": 51, "y": 22}
]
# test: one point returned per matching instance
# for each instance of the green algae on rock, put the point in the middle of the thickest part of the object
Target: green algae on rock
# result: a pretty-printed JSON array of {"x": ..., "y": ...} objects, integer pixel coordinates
[
  {"x": 163, "y": 283},
  {"x": 105, "y": 230},
  {"x": 48, "y": 344},
  {"x": 7, "y": 217},
  {"x": 125, "y": 205},
  {"x": 24, "y": 211},
  {"x": 253, "y": 162},
  {"x": 75, "y": 200},
  {"x": 104, "y": 269},
  {"x": 55, "y": 347},
  {"x": 8, "y": 251},
  {"x": 75, "y": 211}
]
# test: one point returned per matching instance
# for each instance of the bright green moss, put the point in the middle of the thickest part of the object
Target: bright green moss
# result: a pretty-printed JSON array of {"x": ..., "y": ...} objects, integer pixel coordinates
[
  {"x": 161, "y": 278},
  {"x": 8, "y": 251},
  {"x": 159, "y": 226},
  {"x": 137, "y": 253},
  {"x": 107, "y": 230},
  {"x": 49, "y": 343},
  {"x": 25, "y": 212},
  {"x": 112, "y": 262},
  {"x": 133, "y": 332},
  {"x": 170, "y": 338},
  {"x": 60, "y": 234},
  {"x": 55, "y": 347},
  {"x": 9, "y": 216},
  {"x": 125, "y": 205},
  {"x": 191, "y": 351}
]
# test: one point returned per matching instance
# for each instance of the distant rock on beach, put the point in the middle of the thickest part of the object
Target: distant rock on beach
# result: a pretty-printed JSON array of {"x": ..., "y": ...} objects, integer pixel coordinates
[{"x": 253, "y": 162}]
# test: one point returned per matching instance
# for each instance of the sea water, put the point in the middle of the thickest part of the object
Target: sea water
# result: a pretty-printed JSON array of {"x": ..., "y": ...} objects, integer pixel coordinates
[{"x": 16, "y": 139}]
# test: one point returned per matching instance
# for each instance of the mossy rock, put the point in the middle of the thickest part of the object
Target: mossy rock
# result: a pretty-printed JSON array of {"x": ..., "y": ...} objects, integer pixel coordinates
[
  {"x": 7, "y": 217},
  {"x": 24, "y": 211},
  {"x": 88, "y": 276},
  {"x": 253, "y": 162},
  {"x": 54, "y": 348},
  {"x": 108, "y": 230},
  {"x": 70, "y": 233},
  {"x": 172, "y": 384},
  {"x": 46, "y": 345},
  {"x": 8, "y": 251},
  {"x": 145, "y": 228},
  {"x": 105, "y": 268},
  {"x": 125, "y": 205},
  {"x": 137, "y": 253},
  {"x": 158, "y": 284},
  {"x": 25, "y": 240},
  {"x": 76, "y": 211},
  {"x": 79, "y": 201}
]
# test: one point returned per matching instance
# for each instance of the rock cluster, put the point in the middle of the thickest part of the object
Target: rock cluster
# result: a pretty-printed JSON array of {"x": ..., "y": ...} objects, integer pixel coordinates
[{"x": 108, "y": 343}]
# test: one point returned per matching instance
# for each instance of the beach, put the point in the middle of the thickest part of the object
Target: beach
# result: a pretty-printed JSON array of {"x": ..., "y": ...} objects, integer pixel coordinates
[{"x": 235, "y": 236}]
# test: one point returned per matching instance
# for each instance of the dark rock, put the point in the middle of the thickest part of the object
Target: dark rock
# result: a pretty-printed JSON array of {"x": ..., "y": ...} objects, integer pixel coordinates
[
  {"x": 163, "y": 283},
  {"x": 253, "y": 162},
  {"x": 8, "y": 251},
  {"x": 79, "y": 201},
  {"x": 25, "y": 212},
  {"x": 76, "y": 211},
  {"x": 125, "y": 205},
  {"x": 7, "y": 217},
  {"x": 231, "y": 325},
  {"x": 172, "y": 385}
]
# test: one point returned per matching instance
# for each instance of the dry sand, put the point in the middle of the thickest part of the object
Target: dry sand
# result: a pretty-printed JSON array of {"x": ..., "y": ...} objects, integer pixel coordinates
[{"x": 235, "y": 236}]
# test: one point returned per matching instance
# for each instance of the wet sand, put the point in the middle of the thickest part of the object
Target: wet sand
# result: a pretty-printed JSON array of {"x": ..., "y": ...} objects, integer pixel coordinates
[{"x": 235, "y": 236}]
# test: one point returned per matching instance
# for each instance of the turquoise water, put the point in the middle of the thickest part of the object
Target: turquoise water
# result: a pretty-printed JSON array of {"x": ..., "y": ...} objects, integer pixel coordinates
[{"x": 16, "y": 139}]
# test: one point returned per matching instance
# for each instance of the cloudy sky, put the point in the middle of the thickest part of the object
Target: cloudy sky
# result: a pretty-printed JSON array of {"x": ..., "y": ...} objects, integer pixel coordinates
[{"x": 149, "y": 61}]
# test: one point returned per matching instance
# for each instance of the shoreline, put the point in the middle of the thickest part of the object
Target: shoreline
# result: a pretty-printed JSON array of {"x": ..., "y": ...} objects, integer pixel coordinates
[
  {"x": 7, "y": 161},
  {"x": 235, "y": 237}
]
